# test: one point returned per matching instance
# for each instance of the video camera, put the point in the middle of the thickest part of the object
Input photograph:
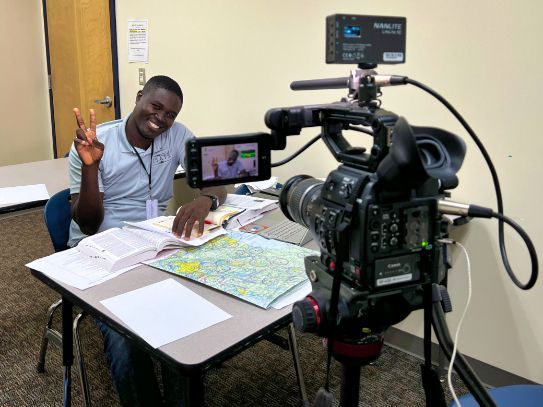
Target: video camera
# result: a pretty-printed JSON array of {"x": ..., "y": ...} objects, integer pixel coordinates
[
  {"x": 377, "y": 213},
  {"x": 378, "y": 218}
]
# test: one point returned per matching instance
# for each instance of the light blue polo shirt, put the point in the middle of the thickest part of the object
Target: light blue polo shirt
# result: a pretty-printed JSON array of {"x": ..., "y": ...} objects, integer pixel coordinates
[{"x": 122, "y": 178}]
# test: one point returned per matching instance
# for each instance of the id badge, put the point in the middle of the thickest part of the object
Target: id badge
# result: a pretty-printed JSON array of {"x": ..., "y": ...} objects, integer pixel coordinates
[{"x": 152, "y": 208}]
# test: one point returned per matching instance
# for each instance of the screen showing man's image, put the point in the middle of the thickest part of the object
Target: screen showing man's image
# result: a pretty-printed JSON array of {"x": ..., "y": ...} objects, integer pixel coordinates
[{"x": 230, "y": 161}]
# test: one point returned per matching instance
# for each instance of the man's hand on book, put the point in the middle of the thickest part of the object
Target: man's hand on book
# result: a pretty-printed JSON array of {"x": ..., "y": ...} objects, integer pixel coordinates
[{"x": 190, "y": 214}]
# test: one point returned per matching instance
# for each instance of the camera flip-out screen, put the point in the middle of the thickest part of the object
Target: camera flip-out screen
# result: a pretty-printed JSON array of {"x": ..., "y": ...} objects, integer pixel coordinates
[{"x": 228, "y": 160}]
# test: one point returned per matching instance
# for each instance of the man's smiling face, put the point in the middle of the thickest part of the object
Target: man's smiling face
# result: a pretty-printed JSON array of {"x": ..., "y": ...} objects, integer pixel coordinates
[{"x": 155, "y": 111}]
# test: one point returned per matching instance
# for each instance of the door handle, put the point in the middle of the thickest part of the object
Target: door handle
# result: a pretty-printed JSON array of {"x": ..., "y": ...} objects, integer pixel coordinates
[{"x": 107, "y": 101}]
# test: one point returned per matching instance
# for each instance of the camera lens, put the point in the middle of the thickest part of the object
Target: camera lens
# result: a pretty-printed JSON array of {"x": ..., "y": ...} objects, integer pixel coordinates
[{"x": 295, "y": 196}]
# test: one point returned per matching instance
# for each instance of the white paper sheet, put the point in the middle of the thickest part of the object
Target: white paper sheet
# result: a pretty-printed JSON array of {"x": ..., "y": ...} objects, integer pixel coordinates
[
  {"x": 22, "y": 194},
  {"x": 138, "y": 41},
  {"x": 74, "y": 268},
  {"x": 260, "y": 185},
  {"x": 251, "y": 203},
  {"x": 164, "y": 312}
]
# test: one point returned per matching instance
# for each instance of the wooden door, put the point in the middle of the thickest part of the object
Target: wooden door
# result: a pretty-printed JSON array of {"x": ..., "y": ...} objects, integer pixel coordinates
[{"x": 80, "y": 58}]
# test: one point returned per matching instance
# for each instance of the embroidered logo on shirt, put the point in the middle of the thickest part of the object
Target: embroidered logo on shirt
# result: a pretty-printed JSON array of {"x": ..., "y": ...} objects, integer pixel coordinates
[{"x": 162, "y": 157}]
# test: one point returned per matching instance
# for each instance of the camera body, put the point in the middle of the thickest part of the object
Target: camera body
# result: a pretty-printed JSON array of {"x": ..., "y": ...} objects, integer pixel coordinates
[{"x": 375, "y": 220}]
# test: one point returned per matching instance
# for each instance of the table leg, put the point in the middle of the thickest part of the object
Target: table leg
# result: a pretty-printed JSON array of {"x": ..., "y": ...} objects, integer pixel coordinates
[
  {"x": 67, "y": 349},
  {"x": 195, "y": 389},
  {"x": 297, "y": 366}
]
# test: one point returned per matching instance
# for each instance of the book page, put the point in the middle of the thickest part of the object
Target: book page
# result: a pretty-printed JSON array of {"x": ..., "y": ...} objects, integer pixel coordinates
[
  {"x": 115, "y": 248},
  {"x": 163, "y": 225},
  {"x": 114, "y": 242},
  {"x": 154, "y": 238},
  {"x": 253, "y": 209},
  {"x": 223, "y": 214},
  {"x": 74, "y": 268}
]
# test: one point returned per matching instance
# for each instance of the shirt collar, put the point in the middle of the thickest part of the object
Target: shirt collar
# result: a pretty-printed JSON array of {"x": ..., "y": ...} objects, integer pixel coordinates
[{"x": 125, "y": 146}]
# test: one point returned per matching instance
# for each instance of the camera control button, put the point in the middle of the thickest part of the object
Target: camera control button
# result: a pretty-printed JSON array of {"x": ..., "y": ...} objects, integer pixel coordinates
[{"x": 345, "y": 190}]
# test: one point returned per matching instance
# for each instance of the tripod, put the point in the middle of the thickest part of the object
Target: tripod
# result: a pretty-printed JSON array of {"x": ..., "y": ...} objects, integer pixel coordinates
[
  {"x": 353, "y": 353},
  {"x": 352, "y": 357}
]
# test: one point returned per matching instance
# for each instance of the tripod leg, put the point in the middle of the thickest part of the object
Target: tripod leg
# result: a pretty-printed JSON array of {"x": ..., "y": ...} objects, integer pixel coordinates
[
  {"x": 435, "y": 397},
  {"x": 350, "y": 384},
  {"x": 462, "y": 367}
]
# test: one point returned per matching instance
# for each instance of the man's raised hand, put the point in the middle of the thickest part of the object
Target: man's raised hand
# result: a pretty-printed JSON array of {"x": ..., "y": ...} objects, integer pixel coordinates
[{"x": 88, "y": 147}]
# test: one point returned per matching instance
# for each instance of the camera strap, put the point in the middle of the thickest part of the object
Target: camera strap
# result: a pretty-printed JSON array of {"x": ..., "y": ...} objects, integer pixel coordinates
[{"x": 337, "y": 267}]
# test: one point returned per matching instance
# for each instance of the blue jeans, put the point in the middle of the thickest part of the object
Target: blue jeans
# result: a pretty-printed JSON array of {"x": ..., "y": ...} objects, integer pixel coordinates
[{"x": 133, "y": 373}]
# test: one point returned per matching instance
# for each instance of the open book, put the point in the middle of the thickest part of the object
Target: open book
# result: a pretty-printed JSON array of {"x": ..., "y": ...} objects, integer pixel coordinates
[
  {"x": 237, "y": 211},
  {"x": 225, "y": 215},
  {"x": 251, "y": 208},
  {"x": 116, "y": 248}
]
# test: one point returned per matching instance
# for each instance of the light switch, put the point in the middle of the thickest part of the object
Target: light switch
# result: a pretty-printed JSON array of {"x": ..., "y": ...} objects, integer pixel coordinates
[{"x": 141, "y": 74}]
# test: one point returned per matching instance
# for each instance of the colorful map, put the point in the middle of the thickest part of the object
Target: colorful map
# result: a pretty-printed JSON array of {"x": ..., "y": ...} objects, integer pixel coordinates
[{"x": 248, "y": 266}]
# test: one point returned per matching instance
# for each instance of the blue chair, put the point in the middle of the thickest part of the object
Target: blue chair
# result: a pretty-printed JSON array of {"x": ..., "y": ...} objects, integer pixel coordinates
[
  {"x": 525, "y": 395},
  {"x": 57, "y": 216}
]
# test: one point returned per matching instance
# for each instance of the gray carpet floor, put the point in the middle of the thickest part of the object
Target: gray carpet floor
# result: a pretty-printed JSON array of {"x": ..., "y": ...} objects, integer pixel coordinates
[{"x": 261, "y": 376}]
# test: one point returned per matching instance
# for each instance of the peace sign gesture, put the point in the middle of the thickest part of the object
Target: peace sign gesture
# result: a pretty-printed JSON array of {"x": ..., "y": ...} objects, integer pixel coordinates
[
  {"x": 88, "y": 147},
  {"x": 215, "y": 166}
]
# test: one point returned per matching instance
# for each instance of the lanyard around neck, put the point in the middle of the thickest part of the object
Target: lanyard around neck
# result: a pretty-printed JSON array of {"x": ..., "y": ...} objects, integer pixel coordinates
[{"x": 150, "y": 164}]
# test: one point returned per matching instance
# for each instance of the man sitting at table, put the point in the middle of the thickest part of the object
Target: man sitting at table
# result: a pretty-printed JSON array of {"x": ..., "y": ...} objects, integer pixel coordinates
[
  {"x": 229, "y": 168},
  {"x": 123, "y": 171}
]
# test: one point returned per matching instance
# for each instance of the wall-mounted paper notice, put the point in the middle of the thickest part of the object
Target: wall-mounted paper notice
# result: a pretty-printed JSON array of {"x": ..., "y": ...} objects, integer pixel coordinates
[{"x": 138, "y": 41}]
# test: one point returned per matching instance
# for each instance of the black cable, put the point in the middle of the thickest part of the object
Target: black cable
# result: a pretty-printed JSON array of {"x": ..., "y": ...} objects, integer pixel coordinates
[
  {"x": 312, "y": 141},
  {"x": 297, "y": 153},
  {"x": 493, "y": 172},
  {"x": 529, "y": 245},
  {"x": 360, "y": 129}
]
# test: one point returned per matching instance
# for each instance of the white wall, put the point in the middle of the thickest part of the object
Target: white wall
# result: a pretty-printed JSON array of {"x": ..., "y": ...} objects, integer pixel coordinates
[
  {"x": 235, "y": 60},
  {"x": 25, "y": 133}
]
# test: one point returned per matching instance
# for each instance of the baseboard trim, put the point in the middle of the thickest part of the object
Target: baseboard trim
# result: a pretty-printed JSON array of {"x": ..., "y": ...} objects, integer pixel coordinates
[{"x": 488, "y": 374}]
